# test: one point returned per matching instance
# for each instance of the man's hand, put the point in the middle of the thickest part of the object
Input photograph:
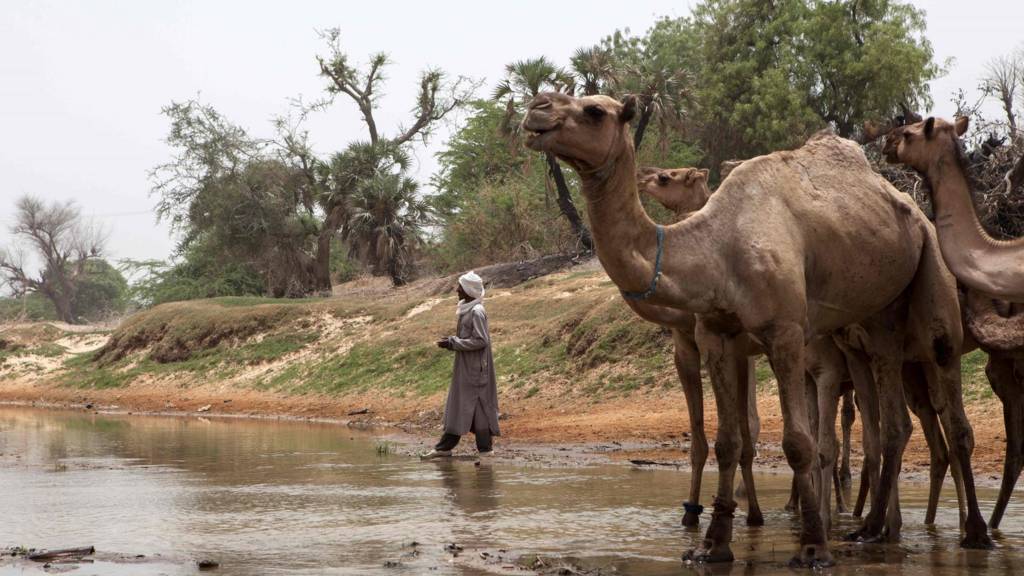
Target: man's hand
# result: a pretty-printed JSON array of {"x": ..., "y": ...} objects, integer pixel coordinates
[{"x": 444, "y": 343}]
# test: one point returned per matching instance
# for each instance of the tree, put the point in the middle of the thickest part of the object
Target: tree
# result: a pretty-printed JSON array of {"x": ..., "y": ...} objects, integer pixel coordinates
[
  {"x": 525, "y": 79},
  {"x": 436, "y": 98},
  {"x": 64, "y": 243}
]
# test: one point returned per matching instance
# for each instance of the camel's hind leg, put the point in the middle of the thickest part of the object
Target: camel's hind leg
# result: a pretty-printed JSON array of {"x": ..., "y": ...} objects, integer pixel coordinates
[
  {"x": 1004, "y": 382},
  {"x": 687, "y": 360}
]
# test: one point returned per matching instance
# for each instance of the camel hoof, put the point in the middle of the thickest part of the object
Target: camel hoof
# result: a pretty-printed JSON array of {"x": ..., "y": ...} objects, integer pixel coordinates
[
  {"x": 755, "y": 518},
  {"x": 864, "y": 534},
  {"x": 708, "y": 553},
  {"x": 691, "y": 516},
  {"x": 977, "y": 542},
  {"x": 813, "y": 556}
]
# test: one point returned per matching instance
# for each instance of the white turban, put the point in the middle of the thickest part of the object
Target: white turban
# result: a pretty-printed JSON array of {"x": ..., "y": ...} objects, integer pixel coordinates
[{"x": 472, "y": 284}]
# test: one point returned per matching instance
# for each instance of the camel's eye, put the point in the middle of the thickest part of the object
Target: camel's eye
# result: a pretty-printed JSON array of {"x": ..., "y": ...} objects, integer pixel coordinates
[
  {"x": 906, "y": 135},
  {"x": 594, "y": 111}
]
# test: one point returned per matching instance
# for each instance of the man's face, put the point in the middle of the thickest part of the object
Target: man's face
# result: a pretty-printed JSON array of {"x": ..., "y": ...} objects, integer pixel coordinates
[{"x": 462, "y": 293}]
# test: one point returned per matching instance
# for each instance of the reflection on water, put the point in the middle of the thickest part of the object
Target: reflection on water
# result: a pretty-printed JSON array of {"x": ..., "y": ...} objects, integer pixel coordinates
[{"x": 288, "y": 498}]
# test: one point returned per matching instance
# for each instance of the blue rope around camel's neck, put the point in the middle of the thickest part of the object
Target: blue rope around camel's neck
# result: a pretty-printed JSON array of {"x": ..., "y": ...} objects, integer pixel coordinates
[{"x": 657, "y": 271}]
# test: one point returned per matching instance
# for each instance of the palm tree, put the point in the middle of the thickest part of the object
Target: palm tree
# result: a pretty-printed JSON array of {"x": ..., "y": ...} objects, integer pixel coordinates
[
  {"x": 385, "y": 214},
  {"x": 661, "y": 92},
  {"x": 525, "y": 79},
  {"x": 595, "y": 67}
]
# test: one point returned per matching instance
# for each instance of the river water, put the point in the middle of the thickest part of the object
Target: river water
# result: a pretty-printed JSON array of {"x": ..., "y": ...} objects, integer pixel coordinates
[{"x": 156, "y": 494}]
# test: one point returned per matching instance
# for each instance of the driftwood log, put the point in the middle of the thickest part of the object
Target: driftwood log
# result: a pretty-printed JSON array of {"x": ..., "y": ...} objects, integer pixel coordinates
[{"x": 60, "y": 553}]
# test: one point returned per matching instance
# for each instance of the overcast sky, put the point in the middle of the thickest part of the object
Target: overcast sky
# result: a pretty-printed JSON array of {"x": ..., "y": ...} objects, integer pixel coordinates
[{"x": 82, "y": 83}]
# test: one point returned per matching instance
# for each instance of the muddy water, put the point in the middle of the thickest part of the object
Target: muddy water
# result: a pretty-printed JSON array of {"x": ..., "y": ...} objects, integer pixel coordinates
[{"x": 293, "y": 498}]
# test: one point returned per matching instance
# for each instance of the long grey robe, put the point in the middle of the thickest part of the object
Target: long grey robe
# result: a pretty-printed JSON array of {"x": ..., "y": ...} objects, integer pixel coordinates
[{"x": 473, "y": 380}]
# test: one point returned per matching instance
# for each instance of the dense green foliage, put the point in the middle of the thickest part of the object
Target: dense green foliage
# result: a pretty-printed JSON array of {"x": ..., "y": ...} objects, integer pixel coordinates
[
  {"x": 31, "y": 307},
  {"x": 102, "y": 291},
  {"x": 735, "y": 79}
]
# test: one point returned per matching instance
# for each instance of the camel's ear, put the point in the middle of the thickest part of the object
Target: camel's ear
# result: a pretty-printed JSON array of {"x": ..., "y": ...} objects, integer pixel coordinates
[
  {"x": 628, "y": 109},
  {"x": 929, "y": 127},
  {"x": 703, "y": 173},
  {"x": 961, "y": 125}
]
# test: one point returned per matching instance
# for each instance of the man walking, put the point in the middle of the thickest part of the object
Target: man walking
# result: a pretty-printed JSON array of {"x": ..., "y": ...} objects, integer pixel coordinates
[{"x": 473, "y": 396}]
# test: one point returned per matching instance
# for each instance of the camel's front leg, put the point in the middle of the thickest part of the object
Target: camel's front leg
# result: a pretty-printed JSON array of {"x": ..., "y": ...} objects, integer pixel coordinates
[
  {"x": 785, "y": 346},
  {"x": 828, "y": 400},
  {"x": 849, "y": 415},
  {"x": 960, "y": 438},
  {"x": 1004, "y": 382},
  {"x": 750, "y": 430},
  {"x": 867, "y": 401},
  {"x": 915, "y": 386},
  {"x": 687, "y": 360},
  {"x": 826, "y": 366},
  {"x": 720, "y": 355},
  {"x": 886, "y": 364}
]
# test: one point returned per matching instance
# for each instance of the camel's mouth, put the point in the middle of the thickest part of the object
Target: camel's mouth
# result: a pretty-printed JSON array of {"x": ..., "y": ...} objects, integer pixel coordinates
[
  {"x": 538, "y": 127},
  {"x": 891, "y": 153}
]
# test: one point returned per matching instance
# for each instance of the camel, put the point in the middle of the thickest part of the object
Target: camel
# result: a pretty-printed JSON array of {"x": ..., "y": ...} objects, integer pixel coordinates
[
  {"x": 684, "y": 190},
  {"x": 786, "y": 239},
  {"x": 681, "y": 190},
  {"x": 980, "y": 262},
  {"x": 932, "y": 148},
  {"x": 687, "y": 361}
]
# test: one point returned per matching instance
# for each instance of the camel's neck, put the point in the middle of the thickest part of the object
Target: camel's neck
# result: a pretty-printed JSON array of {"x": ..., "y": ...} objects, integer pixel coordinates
[
  {"x": 626, "y": 239},
  {"x": 983, "y": 263}
]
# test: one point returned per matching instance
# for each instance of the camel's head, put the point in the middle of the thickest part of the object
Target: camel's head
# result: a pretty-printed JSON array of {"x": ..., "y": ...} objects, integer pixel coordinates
[
  {"x": 588, "y": 133},
  {"x": 918, "y": 145},
  {"x": 679, "y": 190}
]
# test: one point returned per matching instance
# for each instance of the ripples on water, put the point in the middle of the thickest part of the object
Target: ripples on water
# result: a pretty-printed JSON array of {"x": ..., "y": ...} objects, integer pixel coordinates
[{"x": 288, "y": 498}]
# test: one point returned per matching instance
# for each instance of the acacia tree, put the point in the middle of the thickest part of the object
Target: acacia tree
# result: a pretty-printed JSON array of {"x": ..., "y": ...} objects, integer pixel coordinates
[
  {"x": 436, "y": 98},
  {"x": 525, "y": 79},
  {"x": 863, "y": 59},
  {"x": 1003, "y": 80},
  {"x": 237, "y": 200},
  {"x": 64, "y": 243}
]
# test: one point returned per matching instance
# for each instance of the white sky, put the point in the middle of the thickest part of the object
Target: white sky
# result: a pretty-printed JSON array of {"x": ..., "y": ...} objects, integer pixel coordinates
[{"x": 82, "y": 83}]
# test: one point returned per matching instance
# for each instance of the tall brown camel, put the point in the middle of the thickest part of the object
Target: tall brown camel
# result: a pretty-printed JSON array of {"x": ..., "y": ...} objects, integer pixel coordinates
[
  {"x": 982, "y": 263},
  {"x": 781, "y": 252},
  {"x": 932, "y": 148},
  {"x": 684, "y": 190}
]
